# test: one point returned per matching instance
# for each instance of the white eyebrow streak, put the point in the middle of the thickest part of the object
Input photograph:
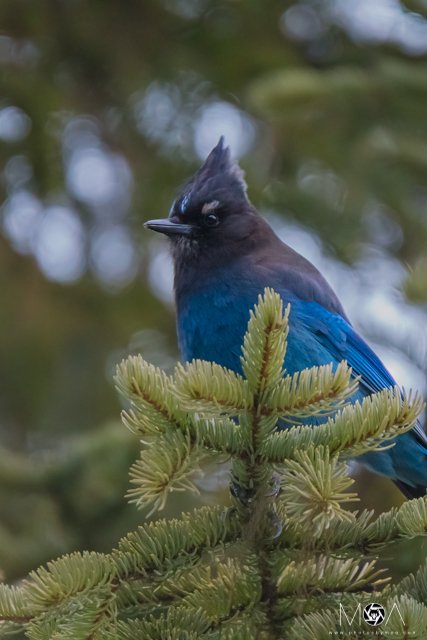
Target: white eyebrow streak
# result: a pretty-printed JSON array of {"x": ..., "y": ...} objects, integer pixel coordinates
[
  {"x": 210, "y": 206},
  {"x": 185, "y": 201}
]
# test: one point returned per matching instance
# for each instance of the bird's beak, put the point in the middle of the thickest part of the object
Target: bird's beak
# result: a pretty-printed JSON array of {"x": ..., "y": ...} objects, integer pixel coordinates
[{"x": 170, "y": 228}]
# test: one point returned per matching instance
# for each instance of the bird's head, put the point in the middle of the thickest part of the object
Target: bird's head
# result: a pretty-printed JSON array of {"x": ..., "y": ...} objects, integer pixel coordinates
[{"x": 212, "y": 208}]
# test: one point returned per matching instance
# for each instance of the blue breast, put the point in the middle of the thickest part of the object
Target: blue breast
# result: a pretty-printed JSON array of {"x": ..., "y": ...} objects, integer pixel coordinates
[{"x": 212, "y": 322}]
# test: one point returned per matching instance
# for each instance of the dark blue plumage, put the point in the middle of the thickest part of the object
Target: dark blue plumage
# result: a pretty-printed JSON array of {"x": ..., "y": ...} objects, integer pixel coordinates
[{"x": 224, "y": 255}]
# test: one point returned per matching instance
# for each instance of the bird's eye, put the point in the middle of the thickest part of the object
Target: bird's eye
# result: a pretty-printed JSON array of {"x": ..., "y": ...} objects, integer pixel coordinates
[{"x": 211, "y": 220}]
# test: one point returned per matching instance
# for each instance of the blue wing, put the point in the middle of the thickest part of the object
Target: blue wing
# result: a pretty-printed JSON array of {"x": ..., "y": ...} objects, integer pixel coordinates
[
  {"x": 406, "y": 462},
  {"x": 343, "y": 343}
]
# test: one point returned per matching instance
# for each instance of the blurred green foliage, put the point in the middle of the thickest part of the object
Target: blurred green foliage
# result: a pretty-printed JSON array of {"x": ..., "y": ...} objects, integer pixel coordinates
[{"x": 104, "y": 111}]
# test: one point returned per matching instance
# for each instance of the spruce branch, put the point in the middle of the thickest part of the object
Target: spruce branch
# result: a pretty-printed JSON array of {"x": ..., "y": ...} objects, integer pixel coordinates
[
  {"x": 412, "y": 617},
  {"x": 411, "y": 518},
  {"x": 166, "y": 465},
  {"x": 236, "y": 587},
  {"x": 70, "y": 575},
  {"x": 325, "y": 574},
  {"x": 314, "y": 490},
  {"x": 206, "y": 386},
  {"x": 355, "y": 430},
  {"x": 78, "y": 618},
  {"x": 414, "y": 585},
  {"x": 177, "y": 624},
  {"x": 276, "y": 563},
  {"x": 14, "y": 604},
  {"x": 158, "y": 547},
  {"x": 312, "y": 392},
  {"x": 163, "y": 589},
  {"x": 264, "y": 344},
  {"x": 218, "y": 435},
  {"x": 360, "y": 532},
  {"x": 154, "y": 406}
]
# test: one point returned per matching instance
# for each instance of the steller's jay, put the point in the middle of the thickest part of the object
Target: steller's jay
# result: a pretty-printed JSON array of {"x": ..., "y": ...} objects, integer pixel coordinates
[{"x": 224, "y": 255}]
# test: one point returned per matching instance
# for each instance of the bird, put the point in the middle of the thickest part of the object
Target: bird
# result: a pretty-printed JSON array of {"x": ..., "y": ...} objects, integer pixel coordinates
[{"x": 224, "y": 255}]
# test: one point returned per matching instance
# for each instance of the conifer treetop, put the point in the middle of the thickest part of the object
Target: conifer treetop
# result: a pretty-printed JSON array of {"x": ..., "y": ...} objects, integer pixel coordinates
[{"x": 289, "y": 547}]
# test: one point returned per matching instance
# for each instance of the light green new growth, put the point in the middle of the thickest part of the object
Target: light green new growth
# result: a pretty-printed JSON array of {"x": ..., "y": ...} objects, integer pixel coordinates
[{"x": 288, "y": 550}]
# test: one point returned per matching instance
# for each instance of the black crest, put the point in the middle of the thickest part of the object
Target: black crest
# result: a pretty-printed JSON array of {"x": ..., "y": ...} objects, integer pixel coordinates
[{"x": 218, "y": 179}]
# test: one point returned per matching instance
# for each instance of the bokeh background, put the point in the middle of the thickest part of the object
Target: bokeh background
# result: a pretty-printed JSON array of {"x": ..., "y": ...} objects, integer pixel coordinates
[{"x": 105, "y": 108}]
